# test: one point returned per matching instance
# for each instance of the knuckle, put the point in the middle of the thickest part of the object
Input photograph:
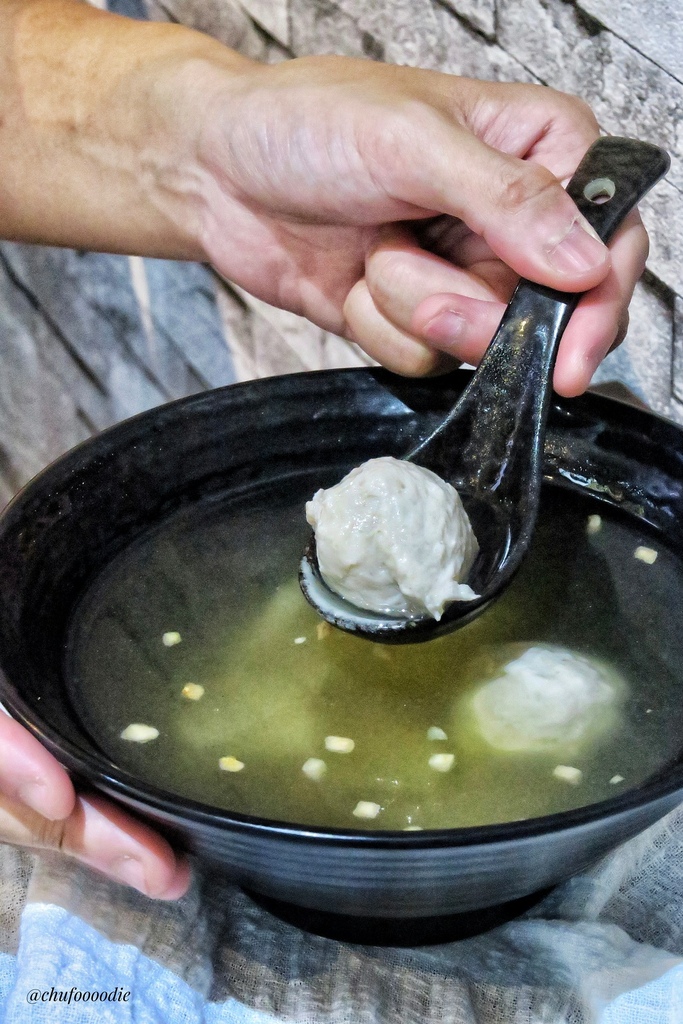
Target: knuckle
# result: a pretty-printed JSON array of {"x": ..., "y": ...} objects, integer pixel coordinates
[
  {"x": 579, "y": 109},
  {"x": 526, "y": 185},
  {"x": 575, "y": 109},
  {"x": 584, "y": 111}
]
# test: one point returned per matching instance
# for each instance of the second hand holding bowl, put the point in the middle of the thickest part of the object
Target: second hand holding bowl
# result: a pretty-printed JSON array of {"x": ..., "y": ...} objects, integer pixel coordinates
[{"x": 490, "y": 446}]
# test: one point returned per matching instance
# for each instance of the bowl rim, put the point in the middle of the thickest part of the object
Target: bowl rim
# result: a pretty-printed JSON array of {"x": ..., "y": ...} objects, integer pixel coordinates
[{"x": 96, "y": 770}]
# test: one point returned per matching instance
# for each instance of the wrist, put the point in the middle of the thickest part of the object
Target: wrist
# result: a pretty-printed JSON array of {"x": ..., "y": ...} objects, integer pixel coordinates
[{"x": 100, "y": 132}]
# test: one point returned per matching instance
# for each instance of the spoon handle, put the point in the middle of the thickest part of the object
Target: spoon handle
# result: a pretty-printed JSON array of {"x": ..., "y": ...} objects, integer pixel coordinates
[
  {"x": 612, "y": 178},
  {"x": 497, "y": 427}
]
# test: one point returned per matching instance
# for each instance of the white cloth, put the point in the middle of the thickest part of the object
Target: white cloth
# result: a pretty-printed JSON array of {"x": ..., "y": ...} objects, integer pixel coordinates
[{"x": 606, "y": 947}]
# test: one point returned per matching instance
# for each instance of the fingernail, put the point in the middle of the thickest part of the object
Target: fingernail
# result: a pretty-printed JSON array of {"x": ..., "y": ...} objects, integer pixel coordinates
[
  {"x": 446, "y": 328},
  {"x": 578, "y": 251},
  {"x": 129, "y": 870},
  {"x": 35, "y": 794}
]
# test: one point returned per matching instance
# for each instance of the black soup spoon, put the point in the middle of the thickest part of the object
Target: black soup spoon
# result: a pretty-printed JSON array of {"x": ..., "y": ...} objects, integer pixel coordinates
[{"x": 490, "y": 446}]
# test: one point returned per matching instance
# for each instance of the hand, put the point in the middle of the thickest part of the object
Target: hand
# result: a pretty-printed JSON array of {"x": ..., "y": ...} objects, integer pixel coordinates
[
  {"x": 392, "y": 205},
  {"x": 39, "y": 810},
  {"x": 397, "y": 207}
]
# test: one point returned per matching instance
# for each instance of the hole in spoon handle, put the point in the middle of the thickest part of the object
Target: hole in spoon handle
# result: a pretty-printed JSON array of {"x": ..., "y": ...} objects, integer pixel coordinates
[{"x": 612, "y": 178}]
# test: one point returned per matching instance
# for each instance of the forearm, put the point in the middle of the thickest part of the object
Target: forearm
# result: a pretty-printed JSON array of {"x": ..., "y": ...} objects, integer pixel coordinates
[{"x": 98, "y": 125}]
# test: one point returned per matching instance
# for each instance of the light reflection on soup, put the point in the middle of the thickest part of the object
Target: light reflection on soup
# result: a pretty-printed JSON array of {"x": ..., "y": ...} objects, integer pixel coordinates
[{"x": 263, "y": 709}]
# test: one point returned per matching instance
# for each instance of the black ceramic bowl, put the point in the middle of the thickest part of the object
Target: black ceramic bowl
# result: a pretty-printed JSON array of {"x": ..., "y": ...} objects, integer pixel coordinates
[{"x": 68, "y": 524}]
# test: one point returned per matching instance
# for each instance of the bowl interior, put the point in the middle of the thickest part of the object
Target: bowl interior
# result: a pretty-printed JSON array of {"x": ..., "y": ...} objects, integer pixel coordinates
[{"x": 271, "y": 442}]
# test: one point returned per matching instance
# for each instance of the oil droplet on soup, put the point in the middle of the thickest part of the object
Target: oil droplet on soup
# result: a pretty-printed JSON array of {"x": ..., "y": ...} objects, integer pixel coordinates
[{"x": 322, "y": 723}]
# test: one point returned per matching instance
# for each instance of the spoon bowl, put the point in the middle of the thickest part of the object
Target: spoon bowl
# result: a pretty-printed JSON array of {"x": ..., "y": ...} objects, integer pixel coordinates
[{"x": 490, "y": 445}]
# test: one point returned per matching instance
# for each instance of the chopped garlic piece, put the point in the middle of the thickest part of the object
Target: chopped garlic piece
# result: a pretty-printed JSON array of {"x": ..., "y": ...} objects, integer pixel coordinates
[
  {"x": 593, "y": 524},
  {"x": 171, "y": 639},
  {"x": 648, "y": 555},
  {"x": 230, "y": 764},
  {"x": 441, "y": 762},
  {"x": 413, "y": 828},
  {"x": 616, "y": 779},
  {"x": 299, "y": 639},
  {"x": 568, "y": 774},
  {"x": 339, "y": 744},
  {"x": 322, "y": 630},
  {"x": 192, "y": 691},
  {"x": 315, "y": 768},
  {"x": 139, "y": 733},
  {"x": 366, "y": 809},
  {"x": 434, "y": 733}
]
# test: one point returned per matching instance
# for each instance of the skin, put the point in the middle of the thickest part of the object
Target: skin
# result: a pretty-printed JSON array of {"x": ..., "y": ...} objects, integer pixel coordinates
[{"x": 391, "y": 205}]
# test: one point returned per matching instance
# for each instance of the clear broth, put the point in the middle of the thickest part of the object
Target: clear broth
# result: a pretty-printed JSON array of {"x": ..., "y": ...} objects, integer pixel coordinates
[{"x": 223, "y": 576}]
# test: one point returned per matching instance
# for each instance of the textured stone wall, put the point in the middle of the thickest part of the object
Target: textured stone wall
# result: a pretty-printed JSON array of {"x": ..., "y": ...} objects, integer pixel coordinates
[{"x": 87, "y": 339}]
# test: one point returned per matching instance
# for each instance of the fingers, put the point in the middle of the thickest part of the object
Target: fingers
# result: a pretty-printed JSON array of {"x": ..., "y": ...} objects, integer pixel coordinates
[
  {"x": 39, "y": 809},
  {"x": 458, "y": 325},
  {"x": 400, "y": 273},
  {"x": 106, "y": 838},
  {"x": 103, "y": 837},
  {"x": 463, "y": 326},
  {"x": 383, "y": 341},
  {"x": 30, "y": 775},
  {"x": 456, "y": 244},
  {"x": 599, "y": 321},
  {"x": 412, "y": 303},
  {"x": 534, "y": 122}
]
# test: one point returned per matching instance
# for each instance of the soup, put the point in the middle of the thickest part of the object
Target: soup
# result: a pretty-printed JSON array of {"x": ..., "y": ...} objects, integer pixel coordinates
[{"x": 197, "y": 635}]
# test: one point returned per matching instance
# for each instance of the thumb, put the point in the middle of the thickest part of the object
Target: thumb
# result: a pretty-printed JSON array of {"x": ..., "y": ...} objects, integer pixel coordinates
[{"x": 520, "y": 208}]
